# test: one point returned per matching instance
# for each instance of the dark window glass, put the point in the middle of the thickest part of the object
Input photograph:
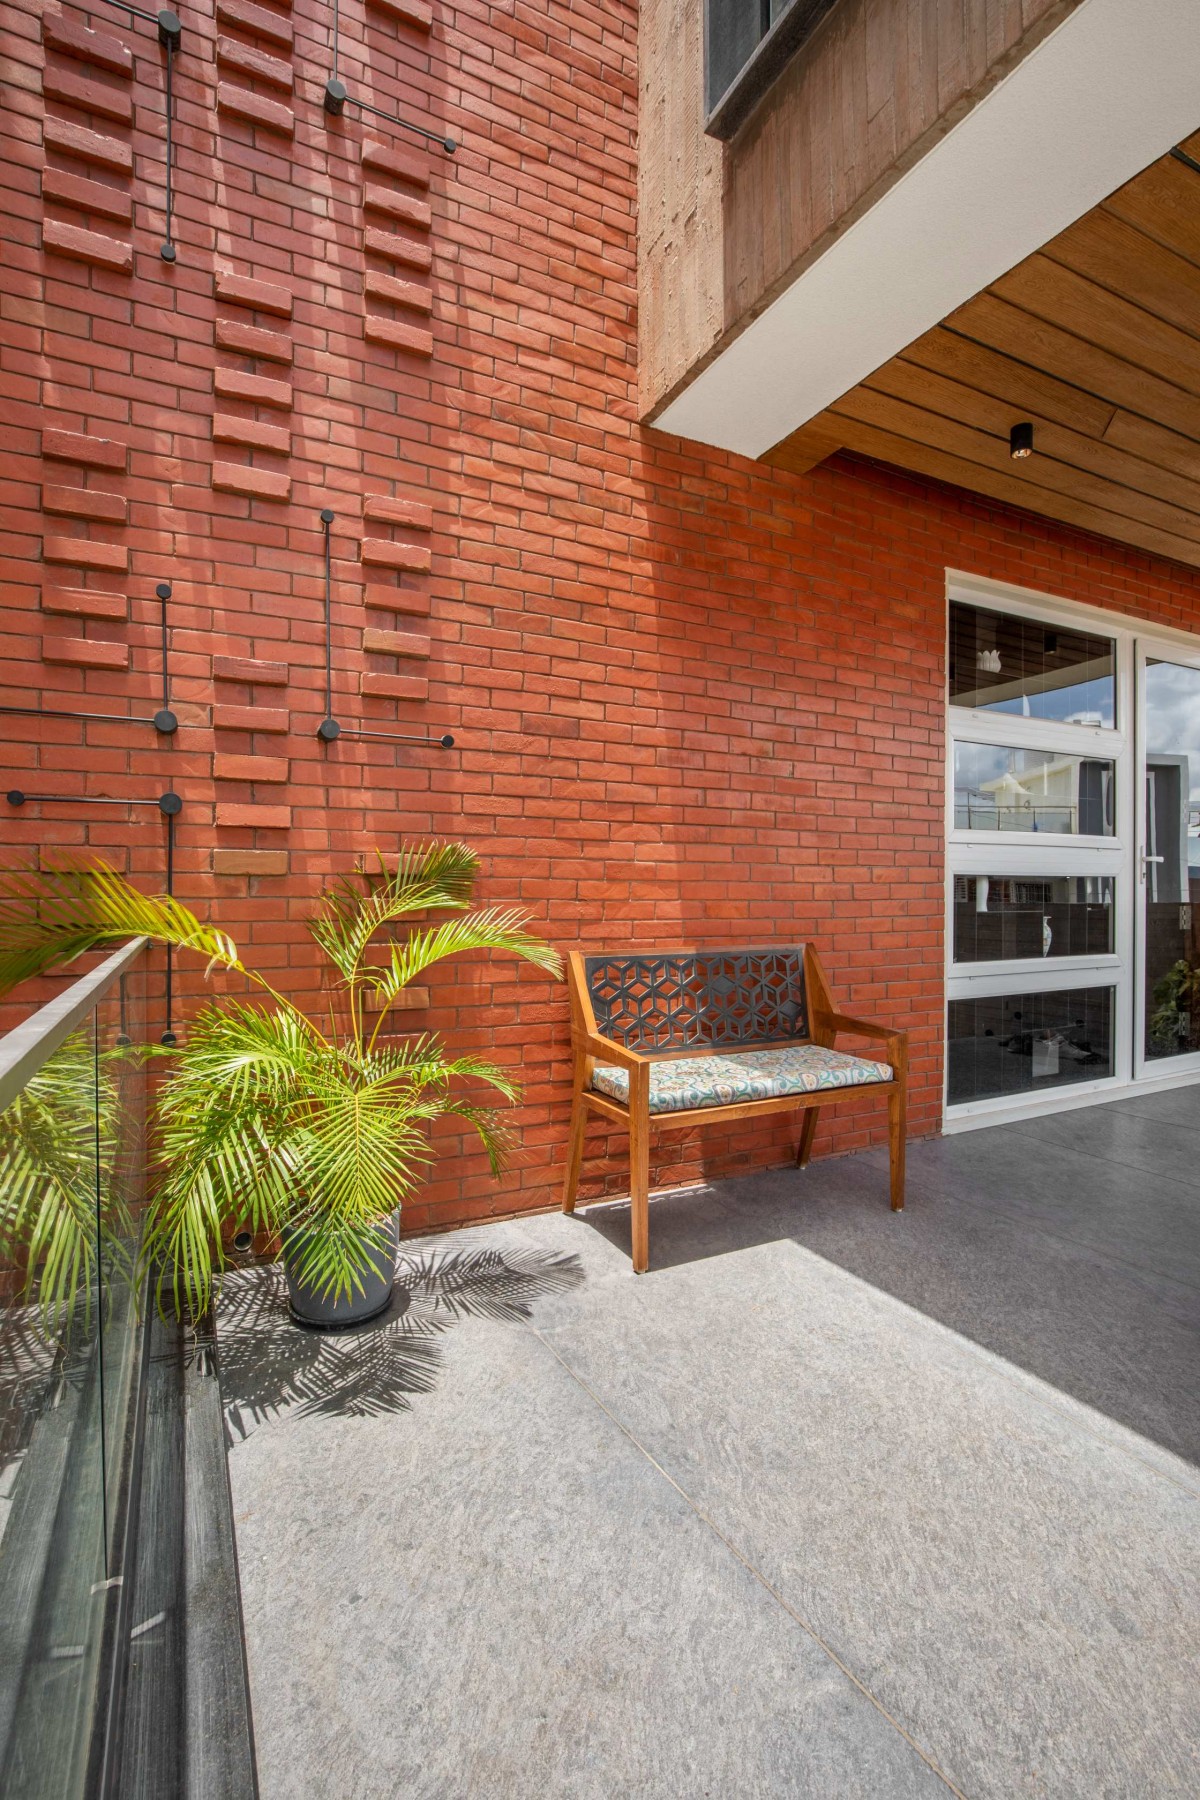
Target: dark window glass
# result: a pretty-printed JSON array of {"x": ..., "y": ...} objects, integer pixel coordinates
[
  {"x": 735, "y": 30},
  {"x": 1171, "y": 889},
  {"x": 1022, "y": 1043},
  {"x": 1000, "y": 918},
  {"x": 1001, "y": 787},
  {"x": 999, "y": 663}
]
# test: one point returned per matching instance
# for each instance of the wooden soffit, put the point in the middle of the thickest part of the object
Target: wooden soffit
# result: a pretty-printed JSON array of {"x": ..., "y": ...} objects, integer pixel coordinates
[{"x": 1096, "y": 340}]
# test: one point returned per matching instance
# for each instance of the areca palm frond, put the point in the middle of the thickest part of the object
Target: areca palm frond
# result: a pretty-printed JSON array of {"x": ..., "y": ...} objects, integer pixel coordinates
[
  {"x": 51, "y": 916},
  {"x": 60, "y": 1209},
  {"x": 353, "y": 911},
  {"x": 492, "y": 928},
  {"x": 264, "y": 1120}
]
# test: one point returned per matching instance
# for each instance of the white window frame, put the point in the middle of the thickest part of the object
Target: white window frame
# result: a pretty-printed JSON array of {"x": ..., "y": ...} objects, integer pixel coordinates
[{"x": 1042, "y": 854}]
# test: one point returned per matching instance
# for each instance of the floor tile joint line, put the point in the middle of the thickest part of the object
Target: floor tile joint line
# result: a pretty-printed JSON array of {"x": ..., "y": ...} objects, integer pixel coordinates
[{"x": 750, "y": 1567}]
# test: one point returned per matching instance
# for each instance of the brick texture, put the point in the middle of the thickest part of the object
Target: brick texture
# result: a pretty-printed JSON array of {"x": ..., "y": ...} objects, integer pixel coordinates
[{"x": 694, "y": 700}]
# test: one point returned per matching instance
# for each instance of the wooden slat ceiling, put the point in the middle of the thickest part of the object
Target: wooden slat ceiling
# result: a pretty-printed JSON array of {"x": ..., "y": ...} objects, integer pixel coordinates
[{"x": 1096, "y": 339}]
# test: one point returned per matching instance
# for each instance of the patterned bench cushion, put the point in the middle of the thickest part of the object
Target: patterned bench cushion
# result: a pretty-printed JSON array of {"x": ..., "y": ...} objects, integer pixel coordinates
[{"x": 678, "y": 1083}]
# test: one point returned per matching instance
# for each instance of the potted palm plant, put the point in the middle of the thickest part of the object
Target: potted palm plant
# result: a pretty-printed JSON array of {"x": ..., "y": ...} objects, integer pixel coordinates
[{"x": 310, "y": 1132}]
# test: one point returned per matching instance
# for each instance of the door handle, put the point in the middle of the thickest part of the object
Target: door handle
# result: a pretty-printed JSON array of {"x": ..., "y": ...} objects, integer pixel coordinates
[{"x": 1149, "y": 859}]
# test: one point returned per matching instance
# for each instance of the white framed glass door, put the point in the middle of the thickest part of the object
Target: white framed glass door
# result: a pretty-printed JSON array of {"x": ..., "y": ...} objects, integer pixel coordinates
[
  {"x": 1167, "y": 873},
  {"x": 1072, "y": 847}
]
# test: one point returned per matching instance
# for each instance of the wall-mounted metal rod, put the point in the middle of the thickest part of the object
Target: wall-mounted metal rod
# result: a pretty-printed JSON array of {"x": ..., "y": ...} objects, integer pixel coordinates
[
  {"x": 445, "y": 742},
  {"x": 135, "y": 11},
  {"x": 169, "y": 805},
  {"x": 330, "y": 728},
  {"x": 327, "y": 730},
  {"x": 337, "y": 97},
  {"x": 170, "y": 36},
  {"x": 164, "y": 719},
  {"x": 168, "y": 1036},
  {"x": 58, "y": 712}
]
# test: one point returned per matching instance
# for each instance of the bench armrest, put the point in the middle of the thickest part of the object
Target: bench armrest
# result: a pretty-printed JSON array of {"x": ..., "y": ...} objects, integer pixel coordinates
[
  {"x": 843, "y": 1024},
  {"x": 607, "y": 1050}
]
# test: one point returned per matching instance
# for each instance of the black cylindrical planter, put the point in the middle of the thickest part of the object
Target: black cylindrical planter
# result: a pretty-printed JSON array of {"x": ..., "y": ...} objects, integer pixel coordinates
[{"x": 322, "y": 1311}]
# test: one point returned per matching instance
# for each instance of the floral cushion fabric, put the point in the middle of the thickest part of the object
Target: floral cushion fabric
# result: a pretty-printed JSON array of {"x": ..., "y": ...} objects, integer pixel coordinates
[{"x": 678, "y": 1083}]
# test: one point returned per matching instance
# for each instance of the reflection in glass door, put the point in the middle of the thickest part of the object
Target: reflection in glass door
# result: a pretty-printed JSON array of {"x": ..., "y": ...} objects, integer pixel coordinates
[{"x": 1169, "y": 862}]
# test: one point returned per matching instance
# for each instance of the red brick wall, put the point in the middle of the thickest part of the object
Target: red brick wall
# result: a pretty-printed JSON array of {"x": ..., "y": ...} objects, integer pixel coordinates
[{"x": 693, "y": 700}]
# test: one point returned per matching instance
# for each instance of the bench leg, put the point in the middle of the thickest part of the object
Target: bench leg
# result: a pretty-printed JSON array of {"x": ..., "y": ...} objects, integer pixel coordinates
[
  {"x": 639, "y": 1179},
  {"x": 896, "y": 1134},
  {"x": 808, "y": 1130},
  {"x": 574, "y": 1146}
]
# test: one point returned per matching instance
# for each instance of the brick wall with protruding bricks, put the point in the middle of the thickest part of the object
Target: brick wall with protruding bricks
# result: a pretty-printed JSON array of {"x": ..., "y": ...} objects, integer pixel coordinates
[{"x": 693, "y": 700}]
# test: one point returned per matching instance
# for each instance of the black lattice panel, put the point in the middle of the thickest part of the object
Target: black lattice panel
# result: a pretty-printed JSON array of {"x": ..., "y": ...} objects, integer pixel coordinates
[{"x": 714, "y": 997}]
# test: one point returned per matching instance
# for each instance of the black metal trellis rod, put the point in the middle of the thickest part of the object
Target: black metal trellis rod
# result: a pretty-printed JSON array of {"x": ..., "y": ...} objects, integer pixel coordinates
[
  {"x": 170, "y": 36},
  {"x": 446, "y": 741},
  {"x": 337, "y": 97},
  {"x": 170, "y": 806},
  {"x": 58, "y": 712},
  {"x": 164, "y": 720},
  {"x": 330, "y": 728}
]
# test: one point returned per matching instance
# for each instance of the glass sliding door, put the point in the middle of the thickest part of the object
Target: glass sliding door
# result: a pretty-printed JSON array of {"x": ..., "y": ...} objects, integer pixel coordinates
[
  {"x": 1072, "y": 854},
  {"x": 1168, "y": 859},
  {"x": 1040, "y": 828}
]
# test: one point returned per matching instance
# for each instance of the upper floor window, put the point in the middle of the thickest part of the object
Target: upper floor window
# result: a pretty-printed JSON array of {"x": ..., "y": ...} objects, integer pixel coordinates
[{"x": 747, "y": 44}]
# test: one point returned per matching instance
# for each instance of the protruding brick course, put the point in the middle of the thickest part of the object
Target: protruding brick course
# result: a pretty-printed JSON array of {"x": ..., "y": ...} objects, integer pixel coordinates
[
  {"x": 85, "y": 653},
  {"x": 87, "y": 246},
  {"x": 85, "y": 603},
  {"x": 79, "y": 447}
]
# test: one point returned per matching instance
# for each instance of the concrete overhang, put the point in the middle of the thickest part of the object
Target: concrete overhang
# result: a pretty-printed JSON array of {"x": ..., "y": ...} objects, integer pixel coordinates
[{"x": 1104, "y": 95}]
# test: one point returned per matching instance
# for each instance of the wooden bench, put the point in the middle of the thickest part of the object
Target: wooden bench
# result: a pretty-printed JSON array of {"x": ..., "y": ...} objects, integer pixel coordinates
[{"x": 686, "y": 1037}]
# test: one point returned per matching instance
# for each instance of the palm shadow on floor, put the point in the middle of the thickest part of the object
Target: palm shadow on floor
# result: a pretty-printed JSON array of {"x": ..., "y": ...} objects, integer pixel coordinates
[{"x": 272, "y": 1368}]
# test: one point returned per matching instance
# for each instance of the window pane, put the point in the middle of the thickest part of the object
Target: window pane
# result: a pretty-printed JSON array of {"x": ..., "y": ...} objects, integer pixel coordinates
[
  {"x": 1000, "y": 663},
  {"x": 1000, "y": 918},
  {"x": 734, "y": 30},
  {"x": 1023, "y": 1043},
  {"x": 1171, "y": 890},
  {"x": 998, "y": 787}
]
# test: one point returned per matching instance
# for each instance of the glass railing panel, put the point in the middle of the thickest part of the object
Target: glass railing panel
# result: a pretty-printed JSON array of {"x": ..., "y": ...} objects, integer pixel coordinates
[{"x": 70, "y": 1198}]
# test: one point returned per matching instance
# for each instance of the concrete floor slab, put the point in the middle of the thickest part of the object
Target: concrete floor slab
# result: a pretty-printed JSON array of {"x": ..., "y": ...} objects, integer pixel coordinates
[{"x": 833, "y": 1502}]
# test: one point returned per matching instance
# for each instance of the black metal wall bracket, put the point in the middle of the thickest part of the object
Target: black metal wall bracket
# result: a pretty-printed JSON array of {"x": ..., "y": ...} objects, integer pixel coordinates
[
  {"x": 164, "y": 720},
  {"x": 170, "y": 36},
  {"x": 337, "y": 97},
  {"x": 330, "y": 729},
  {"x": 170, "y": 805}
]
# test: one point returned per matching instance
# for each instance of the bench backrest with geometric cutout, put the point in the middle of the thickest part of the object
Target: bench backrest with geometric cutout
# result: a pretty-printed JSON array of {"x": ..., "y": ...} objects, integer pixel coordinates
[{"x": 665, "y": 1001}]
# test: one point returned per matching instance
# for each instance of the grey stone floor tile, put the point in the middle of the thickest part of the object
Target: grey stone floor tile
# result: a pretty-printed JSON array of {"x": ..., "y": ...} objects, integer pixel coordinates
[
  {"x": 1015, "y": 1577},
  {"x": 1108, "y": 1332},
  {"x": 496, "y": 1594},
  {"x": 959, "y": 1444}
]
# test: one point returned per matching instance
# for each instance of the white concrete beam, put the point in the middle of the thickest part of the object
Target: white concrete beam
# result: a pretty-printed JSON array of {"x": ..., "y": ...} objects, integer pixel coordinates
[{"x": 1106, "y": 94}]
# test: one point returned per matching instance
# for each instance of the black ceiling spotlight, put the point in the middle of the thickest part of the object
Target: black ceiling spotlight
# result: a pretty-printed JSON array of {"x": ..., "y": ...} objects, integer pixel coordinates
[{"x": 1020, "y": 441}]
